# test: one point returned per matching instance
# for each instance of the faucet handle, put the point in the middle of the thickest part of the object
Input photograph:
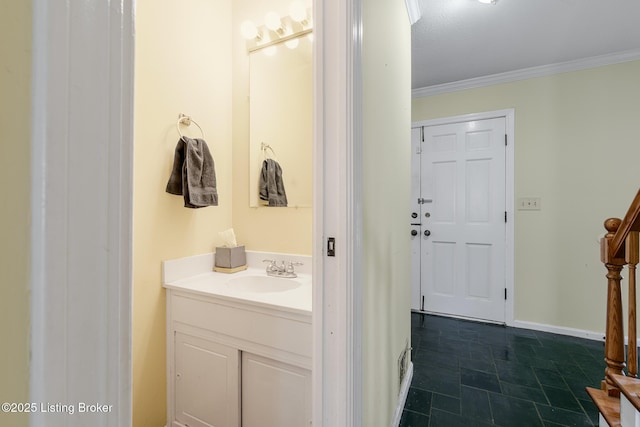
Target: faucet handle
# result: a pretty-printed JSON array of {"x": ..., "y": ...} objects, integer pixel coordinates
[
  {"x": 272, "y": 265},
  {"x": 291, "y": 264}
]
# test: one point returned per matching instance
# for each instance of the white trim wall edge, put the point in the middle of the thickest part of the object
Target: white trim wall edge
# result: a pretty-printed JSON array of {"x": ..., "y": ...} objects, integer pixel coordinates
[
  {"x": 509, "y": 115},
  {"x": 402, "y": 398},
  {"x": 528, "y": 73}
]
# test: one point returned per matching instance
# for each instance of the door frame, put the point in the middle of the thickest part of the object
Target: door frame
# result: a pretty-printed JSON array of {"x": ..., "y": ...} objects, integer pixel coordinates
[
  {"x": 509, "y": 115},
  {"x": 337, "y": 212}
]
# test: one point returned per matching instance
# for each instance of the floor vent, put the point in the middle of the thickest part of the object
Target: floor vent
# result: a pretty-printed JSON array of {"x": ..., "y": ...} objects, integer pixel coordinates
[{"x": 403, "y": 363}]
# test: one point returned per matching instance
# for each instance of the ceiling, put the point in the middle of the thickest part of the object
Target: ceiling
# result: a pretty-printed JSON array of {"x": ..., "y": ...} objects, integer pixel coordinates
[{"x": 456, "y": 40}]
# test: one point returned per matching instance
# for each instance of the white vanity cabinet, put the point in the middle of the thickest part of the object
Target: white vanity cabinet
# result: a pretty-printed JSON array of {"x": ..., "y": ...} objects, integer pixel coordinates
[{"x": 233, "y": 363}]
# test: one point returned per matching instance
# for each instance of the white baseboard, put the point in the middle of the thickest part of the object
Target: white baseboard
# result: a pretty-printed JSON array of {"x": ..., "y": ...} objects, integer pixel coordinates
[
  {"x": 402, "y": 398},
  {"x": 562, "y": 330}
]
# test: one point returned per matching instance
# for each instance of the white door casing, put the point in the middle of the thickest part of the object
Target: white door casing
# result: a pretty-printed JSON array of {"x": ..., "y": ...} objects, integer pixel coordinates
[
  {"x": 467, "y": 260},
  {"x": 337, "y": 212},
  {"x": 415, "y": 219}
]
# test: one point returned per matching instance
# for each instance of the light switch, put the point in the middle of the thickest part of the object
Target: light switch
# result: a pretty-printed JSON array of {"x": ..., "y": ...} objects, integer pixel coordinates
[{"x": 529, "y": 204}]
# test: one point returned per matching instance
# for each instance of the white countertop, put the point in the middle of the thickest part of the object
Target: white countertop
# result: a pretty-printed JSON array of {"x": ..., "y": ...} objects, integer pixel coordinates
[{"x": 217, "y": 285}]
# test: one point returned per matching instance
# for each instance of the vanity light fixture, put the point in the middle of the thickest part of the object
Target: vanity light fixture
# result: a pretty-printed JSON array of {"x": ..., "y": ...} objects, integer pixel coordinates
[{"x": 278, "y": 29}]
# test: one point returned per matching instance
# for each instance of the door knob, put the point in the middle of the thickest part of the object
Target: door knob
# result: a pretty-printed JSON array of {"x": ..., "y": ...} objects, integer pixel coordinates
[
  {"x": 427, "y": 233},
  {"x": 414, "y": 232},
  {"x": 414, "y": 215}
]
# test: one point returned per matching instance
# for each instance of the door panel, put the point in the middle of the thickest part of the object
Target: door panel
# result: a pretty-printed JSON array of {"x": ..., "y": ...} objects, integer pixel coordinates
[
  {"x": 201, "y": 398},
  {"x": 463, "y": 186},
  {"x": 444, "y": 272},
  {"x": 444, "y": 190},
  {"x": 274, "y": 394}
]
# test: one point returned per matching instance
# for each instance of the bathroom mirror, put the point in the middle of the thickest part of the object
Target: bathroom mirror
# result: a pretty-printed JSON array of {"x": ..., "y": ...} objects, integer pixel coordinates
[{"x": 280, "y": 117}]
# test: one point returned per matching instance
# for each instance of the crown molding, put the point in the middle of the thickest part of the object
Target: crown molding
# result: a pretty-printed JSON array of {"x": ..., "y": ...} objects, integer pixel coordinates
[
  {"x": 528, "y": 73},
  {"x": 413, "y": 10}
]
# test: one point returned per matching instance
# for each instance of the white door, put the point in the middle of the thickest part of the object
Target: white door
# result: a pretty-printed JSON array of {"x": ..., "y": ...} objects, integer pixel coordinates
[{"x": 463, "y": 215}]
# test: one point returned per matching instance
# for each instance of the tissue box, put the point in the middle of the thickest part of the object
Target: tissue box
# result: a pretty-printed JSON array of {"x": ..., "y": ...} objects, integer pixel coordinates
[{"x": 231, "y": 257}]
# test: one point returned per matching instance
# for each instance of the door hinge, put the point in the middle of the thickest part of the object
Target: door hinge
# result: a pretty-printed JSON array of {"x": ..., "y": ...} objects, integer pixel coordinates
[
  {"x": 422, "y": 309},
  {"x": 422, "y": 133},
  {"x": 505, "y": 139},
  {"x": 505, "y": 216},
  {"x": 505, "y": 294}
]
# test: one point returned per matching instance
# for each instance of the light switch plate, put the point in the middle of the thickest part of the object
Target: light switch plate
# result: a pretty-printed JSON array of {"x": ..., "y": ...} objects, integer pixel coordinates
[{"x": 529, "y": 204}]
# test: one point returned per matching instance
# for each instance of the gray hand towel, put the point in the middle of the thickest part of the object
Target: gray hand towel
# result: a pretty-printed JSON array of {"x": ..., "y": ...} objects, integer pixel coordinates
[
  {"x": 193, "y": 175},
  {"x": 271, "y": 184}
]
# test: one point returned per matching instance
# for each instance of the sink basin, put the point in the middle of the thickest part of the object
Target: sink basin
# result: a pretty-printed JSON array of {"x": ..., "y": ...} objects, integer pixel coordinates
[{"x": 262, "y": 284}]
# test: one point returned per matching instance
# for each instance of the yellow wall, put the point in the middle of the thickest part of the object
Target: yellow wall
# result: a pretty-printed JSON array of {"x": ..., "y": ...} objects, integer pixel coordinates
[
  {"x": 191, "y": 59},
  {"x": 262, "y": 229},
  {"x": 387, "y": 182},
  {"x": 183, "y": 65},
  {"x": 15, "y": 110},
  {"x": 576, "y": 148}
]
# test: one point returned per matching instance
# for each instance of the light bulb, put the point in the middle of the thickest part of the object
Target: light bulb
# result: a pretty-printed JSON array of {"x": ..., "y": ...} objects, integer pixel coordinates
[
  {"x": 272, "y": 21},
  {"x": 248, "y": 30},
  {"x": 298, "y": 11}
]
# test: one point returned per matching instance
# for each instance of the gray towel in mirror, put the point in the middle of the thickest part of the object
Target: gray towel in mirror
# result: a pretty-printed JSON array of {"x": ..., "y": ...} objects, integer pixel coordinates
[{"x": 271, "y": 184}]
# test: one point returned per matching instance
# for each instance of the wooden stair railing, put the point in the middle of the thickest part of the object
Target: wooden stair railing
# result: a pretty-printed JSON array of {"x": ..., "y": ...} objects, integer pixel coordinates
[{"x": 620, "y": 247}]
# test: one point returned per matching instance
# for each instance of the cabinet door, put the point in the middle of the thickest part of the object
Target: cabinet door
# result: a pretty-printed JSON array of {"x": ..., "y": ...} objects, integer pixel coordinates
[
  {"x": 274, "y": 394},
  {"x": 206, "y": 383}
]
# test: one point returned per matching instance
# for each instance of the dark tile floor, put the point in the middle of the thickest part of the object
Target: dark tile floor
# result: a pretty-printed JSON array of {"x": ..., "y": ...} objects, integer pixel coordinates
[{"x": 475, "y": 374}]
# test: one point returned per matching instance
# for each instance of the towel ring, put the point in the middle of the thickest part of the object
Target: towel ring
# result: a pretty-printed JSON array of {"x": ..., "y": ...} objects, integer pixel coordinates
[
  {"x": 183, "y": 119},
  {"x": 264, "y": 147}
]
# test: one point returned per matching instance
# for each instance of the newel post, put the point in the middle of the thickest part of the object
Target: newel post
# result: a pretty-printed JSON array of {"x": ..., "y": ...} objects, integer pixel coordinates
[
  {"x": 614, "y": 339},
  {"x": 632, "y": 257}
]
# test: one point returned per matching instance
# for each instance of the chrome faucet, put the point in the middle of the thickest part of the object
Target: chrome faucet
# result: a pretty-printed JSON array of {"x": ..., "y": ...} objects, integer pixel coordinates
[{"x": 285, "y": 269}]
